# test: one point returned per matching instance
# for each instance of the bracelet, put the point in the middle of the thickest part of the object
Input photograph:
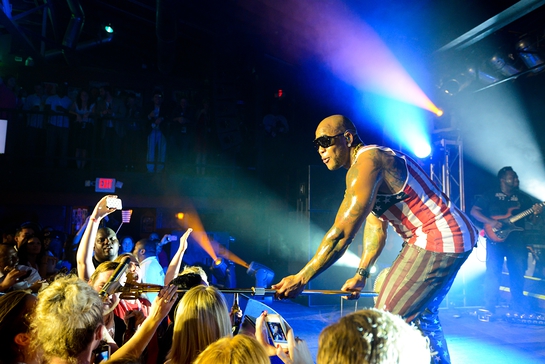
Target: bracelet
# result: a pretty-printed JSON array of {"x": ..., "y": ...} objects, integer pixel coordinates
[{"x": 363, "y": 272}]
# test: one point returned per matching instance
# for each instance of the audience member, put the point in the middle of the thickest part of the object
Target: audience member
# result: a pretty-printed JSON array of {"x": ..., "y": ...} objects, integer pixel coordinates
[
  {"x": 112, "y": 112},
  {"x": 58, "y": 127},
  {"x": 8, "y": 97},
  {"x": 133, "y": 142},
  {"x": 150, "y": 269},
  {"x": 21, "y": 233},
  {"x": 372, "y": 336},
  {"x": 104, "y": 240},
  {"x": 162, "y": 255},
  {"x": 240, "y": 349},
  {"x": 127, "y": 245},
  {"x": 84, "y": 127},
  {"x": 176, "y": 261},
  {"x": 35, "y": 128},
  {"x": 114, "y": 325},
  {"x": 157, "y": 144},
  {"x": 180, "y": 133},
  {"x": 32, "y": 253},
  {"x": 202, "y": 317},
  {"x": 67, "y": 324},
  {"x": 14, "y": 276},
  {"x": 137, "y": 307},
  {"x": 15, "y": 311},
  {"x": 183, "y": 282},
  {"x": 298, "y": 351}
]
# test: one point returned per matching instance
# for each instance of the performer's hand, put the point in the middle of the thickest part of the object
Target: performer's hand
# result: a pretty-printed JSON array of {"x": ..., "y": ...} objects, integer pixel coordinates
[
  {"x": 354, "y": 285},
  {"x": 289, "y": 287},
  {"x": 538, "y": 209},
  {"x": 495, "y": 224}
]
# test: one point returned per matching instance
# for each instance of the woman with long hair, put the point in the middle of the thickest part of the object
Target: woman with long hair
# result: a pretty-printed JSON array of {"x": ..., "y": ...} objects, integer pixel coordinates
[
  {"x": 31, "y": 252},
  {"x": 201, "y": 318}
]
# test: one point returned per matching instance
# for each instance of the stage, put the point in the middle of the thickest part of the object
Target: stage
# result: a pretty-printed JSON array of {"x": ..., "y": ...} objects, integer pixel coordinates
[{"x": 470, "y": 340}]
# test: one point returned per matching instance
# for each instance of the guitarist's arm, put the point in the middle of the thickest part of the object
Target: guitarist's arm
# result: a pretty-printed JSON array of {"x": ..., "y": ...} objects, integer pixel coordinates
[{"x": 477, "y": 213}]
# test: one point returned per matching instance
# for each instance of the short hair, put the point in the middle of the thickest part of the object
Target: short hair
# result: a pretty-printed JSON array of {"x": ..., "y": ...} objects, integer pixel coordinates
[
  {"x": 372, "y": 336},
  {"x": 502, "y": 172},
  {"x": 347, "y": 124},
  {"x": 149, "y": 245},
  {"x": 197, "y": 270},
  {"x": 66, "y": 318},
  {"x": 240, "y": 349},
  {"x": 14, "y": 320},
  {"x": 103, "y": 267},
  {"x": 202, "y": 317}
]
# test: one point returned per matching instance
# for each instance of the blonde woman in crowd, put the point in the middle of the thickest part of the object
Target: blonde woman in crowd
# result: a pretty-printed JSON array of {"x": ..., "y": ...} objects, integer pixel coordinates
[
  {"x": 67, "y": 324},
  {"x": 201, "y": 318},
  {"x": 240, "y": 349},
  {"x": 372, "y": 337}
]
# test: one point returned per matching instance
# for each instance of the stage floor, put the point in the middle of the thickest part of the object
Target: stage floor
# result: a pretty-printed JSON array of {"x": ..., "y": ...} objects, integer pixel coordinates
[{"x": 470, "y": 340}]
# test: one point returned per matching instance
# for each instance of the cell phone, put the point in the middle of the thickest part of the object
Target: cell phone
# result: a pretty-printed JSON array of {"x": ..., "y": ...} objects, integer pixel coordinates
[
  {"x": 277, "y": 330},
  {"x": 172, "y": 238},
  {"x": 102, "y": 354},
  {"x": 114, "y": 203}
]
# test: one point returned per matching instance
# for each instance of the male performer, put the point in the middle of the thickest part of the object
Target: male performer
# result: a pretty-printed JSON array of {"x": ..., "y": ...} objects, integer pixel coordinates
[
  {"x": 384, "y": 186},
  {"x": 505, "y": 200}
]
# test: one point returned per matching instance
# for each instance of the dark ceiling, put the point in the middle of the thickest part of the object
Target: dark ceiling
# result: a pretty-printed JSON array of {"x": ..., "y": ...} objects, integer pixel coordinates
[{"x": 168, "y": 33}]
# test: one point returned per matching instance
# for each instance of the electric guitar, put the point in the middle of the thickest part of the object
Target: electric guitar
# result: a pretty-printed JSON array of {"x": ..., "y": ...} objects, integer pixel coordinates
[{"x": 507, "y": 222}]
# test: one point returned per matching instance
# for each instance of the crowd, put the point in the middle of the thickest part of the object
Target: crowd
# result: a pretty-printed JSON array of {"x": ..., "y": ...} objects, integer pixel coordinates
[
  {"x": 65, "y": 126},
  {"x": 58, "y": 308}
]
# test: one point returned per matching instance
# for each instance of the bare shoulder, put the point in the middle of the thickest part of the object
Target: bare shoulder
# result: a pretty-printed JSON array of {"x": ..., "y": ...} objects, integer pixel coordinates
[{"x": 392, "y": 169}]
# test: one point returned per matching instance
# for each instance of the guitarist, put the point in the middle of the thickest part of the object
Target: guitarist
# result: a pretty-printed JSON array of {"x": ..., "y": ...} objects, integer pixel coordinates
[{"x": 497, "y": 204}]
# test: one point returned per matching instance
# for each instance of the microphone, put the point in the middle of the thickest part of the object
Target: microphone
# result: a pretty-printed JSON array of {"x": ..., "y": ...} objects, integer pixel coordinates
[{"x": 112, "y": 283}]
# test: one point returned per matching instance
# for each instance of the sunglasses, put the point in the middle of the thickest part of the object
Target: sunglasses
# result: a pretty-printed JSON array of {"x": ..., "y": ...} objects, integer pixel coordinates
[{"x": 326, "y": 141}]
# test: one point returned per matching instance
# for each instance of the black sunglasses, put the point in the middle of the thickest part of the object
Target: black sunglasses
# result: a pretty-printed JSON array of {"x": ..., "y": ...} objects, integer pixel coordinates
[{"x": 326, "y": 141}]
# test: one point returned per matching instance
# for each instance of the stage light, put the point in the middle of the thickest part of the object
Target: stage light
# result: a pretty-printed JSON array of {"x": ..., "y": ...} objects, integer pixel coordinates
[
  {"x": 530, "y": 56},
  {"x": 503, "y": 65},
  {"x": 263, "y": 275},
  {"x": 108, "y": 28},
  {"x": 451, "y": 87},
  {"x": 180, "y": 215},
  {"x": 439, "y": 113},
  {"x": 422, "y": 150},
  {"x": 219, "y": 269}
]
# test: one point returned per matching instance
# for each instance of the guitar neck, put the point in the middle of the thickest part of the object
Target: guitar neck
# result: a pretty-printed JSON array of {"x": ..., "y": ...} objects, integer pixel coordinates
[{"x": 523, "y": 214}]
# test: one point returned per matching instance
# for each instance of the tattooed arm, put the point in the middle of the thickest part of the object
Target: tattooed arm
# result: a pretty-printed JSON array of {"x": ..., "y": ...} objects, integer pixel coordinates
[{"x": 362, "y": 183}]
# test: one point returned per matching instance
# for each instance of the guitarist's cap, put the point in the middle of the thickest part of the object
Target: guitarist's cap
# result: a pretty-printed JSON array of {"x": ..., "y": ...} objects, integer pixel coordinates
[{"x": 503, "y": 171}]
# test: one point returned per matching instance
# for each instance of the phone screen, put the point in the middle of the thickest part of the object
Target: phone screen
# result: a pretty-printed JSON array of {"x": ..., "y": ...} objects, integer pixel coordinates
[
  {"x": 103, "y": 354},
  {"x": 277, "y": 333}
]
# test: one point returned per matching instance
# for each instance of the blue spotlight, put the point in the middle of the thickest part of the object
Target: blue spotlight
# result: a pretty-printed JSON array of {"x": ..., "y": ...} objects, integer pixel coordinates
[
  {"x": 422, "y": 150},
  {"x": 263, "y": 275},
  {"x": 108, "y": 28}
]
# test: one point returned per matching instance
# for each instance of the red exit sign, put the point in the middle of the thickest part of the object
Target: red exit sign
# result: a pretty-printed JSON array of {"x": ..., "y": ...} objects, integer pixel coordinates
[{"x": 105, "y": 185}]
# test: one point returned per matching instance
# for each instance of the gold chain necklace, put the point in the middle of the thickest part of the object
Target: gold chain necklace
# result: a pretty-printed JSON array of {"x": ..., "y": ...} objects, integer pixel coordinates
[{"x": 356, "y": 149}]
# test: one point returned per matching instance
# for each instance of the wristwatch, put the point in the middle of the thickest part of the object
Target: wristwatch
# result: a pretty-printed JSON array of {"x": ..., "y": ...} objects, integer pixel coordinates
[{"x": 363, "y": 272}]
